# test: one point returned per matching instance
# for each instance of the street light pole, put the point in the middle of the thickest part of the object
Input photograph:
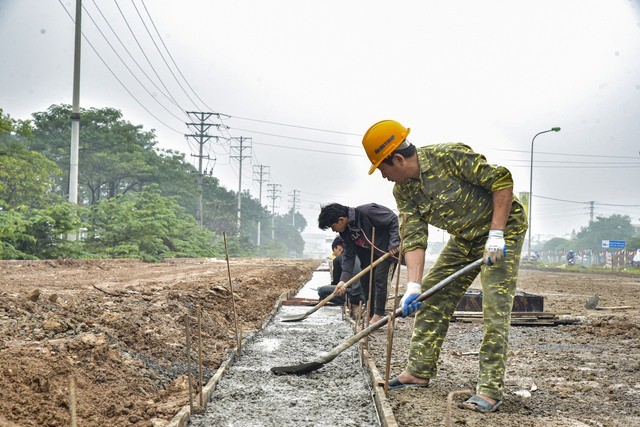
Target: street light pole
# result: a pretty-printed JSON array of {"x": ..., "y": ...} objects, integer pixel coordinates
[{"x": 556, "y": 129}]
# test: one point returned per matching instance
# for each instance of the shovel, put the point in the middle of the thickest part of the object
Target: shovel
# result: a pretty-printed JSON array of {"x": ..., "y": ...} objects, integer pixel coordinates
[
  {"x": 328, "y": 298},
  {"x": 305, "y": 368},
  {"x": 592, "y": 304}
]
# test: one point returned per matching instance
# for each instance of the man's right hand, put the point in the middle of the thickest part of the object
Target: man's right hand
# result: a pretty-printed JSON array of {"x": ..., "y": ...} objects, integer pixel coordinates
[
  {"x": 408, "y": 303},
  {"x": 340, "y": 289}
]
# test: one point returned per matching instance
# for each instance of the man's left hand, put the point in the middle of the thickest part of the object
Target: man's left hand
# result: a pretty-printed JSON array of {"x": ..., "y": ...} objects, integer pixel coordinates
[{"x": 495, "y": 248}]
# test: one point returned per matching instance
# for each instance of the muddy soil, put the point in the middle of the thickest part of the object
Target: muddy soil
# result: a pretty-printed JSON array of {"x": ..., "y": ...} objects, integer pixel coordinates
[
  {"x": 585, "y": 374},
  {"x": 119, "y": 328}
]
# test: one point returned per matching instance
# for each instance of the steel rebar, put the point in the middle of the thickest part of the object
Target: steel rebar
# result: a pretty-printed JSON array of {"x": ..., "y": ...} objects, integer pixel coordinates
[
  {"x": 392, "y": 320},
  {"x": 233, "y": 298},
  {"x": 188, "y": 336}
]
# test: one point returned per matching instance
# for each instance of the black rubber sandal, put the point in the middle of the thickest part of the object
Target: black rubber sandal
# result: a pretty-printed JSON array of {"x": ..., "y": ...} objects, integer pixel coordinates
[
  {"x": 478, "y": 404},
  {"x": 396, "y": 384}
]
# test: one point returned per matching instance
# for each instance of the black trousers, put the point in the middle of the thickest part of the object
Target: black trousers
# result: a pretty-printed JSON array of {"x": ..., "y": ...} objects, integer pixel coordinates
[
  {"x": 355, "y": 296},
  {"x": 378, "y": 286}
]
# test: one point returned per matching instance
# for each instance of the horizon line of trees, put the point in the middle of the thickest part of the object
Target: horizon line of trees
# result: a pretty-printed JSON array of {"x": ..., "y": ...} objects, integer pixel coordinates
[
  {"x": 134, "y": 199},
  {"x": 589, "y": 238}
]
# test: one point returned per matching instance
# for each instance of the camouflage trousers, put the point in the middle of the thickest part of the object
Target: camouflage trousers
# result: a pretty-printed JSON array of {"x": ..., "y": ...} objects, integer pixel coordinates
[{"x": 498, "y": 290}]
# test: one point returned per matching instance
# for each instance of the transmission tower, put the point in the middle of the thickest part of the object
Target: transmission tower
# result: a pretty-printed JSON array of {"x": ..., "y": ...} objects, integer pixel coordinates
[
  {"x": 260, "y": 174},
  {"x": 244, "y": 144},
  {"x": 274, "y": 193},
  {"x": 295, "y": 198},
  {"x": 200, "y": 129}
]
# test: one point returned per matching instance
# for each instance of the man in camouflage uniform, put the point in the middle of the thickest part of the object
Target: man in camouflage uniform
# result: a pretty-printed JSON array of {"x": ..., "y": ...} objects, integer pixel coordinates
[{"x": 455, "y": 189}]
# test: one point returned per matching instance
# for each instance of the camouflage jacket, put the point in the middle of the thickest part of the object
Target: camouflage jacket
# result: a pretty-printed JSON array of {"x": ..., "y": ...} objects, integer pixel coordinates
[{"x": 454, "y": 193}]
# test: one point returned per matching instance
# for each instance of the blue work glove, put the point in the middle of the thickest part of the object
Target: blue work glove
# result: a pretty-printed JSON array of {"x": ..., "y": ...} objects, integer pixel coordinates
[
  {"x": 495, "y": 248},
  {"x": 408, "y": 303}
]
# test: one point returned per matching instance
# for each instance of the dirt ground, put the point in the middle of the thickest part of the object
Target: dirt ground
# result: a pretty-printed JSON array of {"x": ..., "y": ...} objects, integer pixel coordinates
[
  {"x": 118, "y": 327},
  {"x": 583, "y": 374}
]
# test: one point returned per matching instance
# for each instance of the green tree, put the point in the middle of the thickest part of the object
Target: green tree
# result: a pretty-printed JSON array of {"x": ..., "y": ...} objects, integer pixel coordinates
[
  {"x": 614, "y": 227},
  {"x": 40, "y": 233},
  {"x": 556, "y": 244},
  {"x": 26, "y": 177},
  {"x": 115, "y": 156},
  {"x": 289, "y": 235},
  {"x": 12, "y": 233},
  {"x": 118, "y": 158},
  {"x": 12, "y": 129},
  {"x": 175, "y": 177},
  {"x": 145, "y": 225}
]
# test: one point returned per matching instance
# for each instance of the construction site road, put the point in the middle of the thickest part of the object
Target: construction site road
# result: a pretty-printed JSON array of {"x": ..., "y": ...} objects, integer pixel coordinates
[
  {"x": 582, "y": 373},
  {"x": 118, "y": 327}
]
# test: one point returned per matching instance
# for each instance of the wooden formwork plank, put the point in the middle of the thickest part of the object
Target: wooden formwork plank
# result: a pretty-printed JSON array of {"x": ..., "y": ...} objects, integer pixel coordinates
[
  {"x": 181, "y": 419},
  {"x": 382, "y": 403}
]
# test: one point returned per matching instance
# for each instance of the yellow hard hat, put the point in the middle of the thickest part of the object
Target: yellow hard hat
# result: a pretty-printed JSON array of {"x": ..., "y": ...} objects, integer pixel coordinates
[{"x": 382, "y": 139}]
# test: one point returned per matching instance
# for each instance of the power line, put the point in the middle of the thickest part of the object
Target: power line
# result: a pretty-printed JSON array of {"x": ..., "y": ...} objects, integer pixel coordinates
[
  {"x": 171, "y": 57},
  {"x": 563, "y": 154},
  {"x": 571, "y": 162},
  {"x": 146, "y": 57},
  {"x": 124, "y": 46},
  {"x": 116, "y": 77},
  {"x": 124, "y": 63},
  {"x": 295, "y": 126},
  {"x": 160, "y": 52},
  {"x": 577, "y": 167},
  {"x": 299, "y": 139},
  {"x": 308, "y": 149},
  {"x": 574, "y": 201}
]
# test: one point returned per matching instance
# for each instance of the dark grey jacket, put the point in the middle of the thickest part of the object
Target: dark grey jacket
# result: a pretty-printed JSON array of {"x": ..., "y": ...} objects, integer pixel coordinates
[{"x": 357, "y": 236}]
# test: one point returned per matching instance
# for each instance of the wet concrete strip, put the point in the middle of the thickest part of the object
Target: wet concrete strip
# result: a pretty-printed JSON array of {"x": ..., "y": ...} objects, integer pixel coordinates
[{"x": 249, "y": 394}]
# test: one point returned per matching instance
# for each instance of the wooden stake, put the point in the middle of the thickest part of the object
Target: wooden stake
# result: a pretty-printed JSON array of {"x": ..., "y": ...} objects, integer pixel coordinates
[
  {"x": 186, "y": 324},
  {"x": 358, "y": 326},
  {"x": 200, "y": 354},
  {"x": 72, "y": 400},
  {"x": 392, "y": 320},
  {"x": 367, "y": 316},
  {"x": 233, "y": 298}
]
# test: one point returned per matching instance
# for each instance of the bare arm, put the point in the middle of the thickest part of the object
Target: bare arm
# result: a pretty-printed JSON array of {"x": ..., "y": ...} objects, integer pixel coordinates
[
  {"x": 415, "y": 265},
  {"x": 501, "y": 207}
]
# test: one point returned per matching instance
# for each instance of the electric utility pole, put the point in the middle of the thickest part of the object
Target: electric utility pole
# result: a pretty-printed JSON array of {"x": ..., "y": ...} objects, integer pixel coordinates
[
  {"x": 242, "y": 141},
  {"x": 262, "y": 174},
  {"x": 200, "y": 129},
  {"x": 274, "y": 193},
  {"x": 295, "y": 198},
  {"x": 75, "y": 115}
]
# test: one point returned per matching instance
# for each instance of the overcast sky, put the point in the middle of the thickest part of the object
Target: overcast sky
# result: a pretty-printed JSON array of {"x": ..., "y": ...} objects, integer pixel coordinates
[{"x": 304, "y": 81}]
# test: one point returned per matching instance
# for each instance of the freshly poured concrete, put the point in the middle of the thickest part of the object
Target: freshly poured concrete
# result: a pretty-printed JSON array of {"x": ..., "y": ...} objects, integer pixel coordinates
[{"x": 338, "y": 394}]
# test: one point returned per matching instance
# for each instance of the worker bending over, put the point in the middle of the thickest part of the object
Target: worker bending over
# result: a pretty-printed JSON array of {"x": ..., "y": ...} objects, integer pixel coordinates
[{"x": 453, "y": 188}]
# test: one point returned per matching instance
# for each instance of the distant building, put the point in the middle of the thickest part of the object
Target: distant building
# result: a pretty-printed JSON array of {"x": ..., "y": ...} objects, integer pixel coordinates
[{"x": 317, "y": 245}]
